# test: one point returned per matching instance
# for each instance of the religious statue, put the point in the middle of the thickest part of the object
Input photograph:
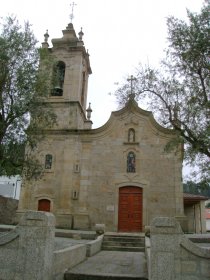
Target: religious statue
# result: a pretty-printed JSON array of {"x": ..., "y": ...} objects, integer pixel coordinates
[
  {"x": 131, "y": 135},
  {"x": 131, "y": 162}
]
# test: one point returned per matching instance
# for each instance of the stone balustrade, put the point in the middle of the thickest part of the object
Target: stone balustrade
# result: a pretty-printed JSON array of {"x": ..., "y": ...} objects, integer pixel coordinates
[{"x": 173, "y": 255}]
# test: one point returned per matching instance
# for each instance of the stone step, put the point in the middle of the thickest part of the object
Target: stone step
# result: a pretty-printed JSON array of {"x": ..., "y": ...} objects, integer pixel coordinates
[
  {"x": 123, "y": 242},
  {"x": 75, "y": 234},
  {"x": 117, "y": 235},
  {"x": 138, "y": 243},
  {"x": 121, "y": 238},
  {"x": 123, "y": 248},
  {"x": 76, "y": 276}
]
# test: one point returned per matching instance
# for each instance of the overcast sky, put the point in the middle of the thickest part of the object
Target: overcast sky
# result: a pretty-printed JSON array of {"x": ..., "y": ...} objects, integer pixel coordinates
[{"x": 119, "y": 34}]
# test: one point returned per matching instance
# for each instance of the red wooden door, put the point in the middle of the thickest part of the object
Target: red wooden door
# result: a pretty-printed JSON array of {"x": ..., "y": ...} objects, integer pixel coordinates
[
  {"x": 130, "y": 209},
  {"x": 44, "y": 205}
]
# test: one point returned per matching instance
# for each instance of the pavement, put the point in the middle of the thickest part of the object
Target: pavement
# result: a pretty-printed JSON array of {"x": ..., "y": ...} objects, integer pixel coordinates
[
  {"x": 113, "y": 263},
  {"x": 63, "y": 242},
  {"x": 78, "y": 237}
]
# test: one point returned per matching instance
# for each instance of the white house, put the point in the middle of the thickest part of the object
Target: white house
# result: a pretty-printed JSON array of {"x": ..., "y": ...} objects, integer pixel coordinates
[{"x": 10, "y": 186}]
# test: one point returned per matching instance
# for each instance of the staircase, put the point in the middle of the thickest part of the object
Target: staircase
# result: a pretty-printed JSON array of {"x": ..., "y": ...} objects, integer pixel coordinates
[
  {"x": 122, "y": 258},
  {"x": 123, "y": 242}
]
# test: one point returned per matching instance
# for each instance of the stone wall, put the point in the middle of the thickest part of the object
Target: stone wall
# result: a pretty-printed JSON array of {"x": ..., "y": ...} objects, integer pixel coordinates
[
  {"x": 27, "y": 251},
  {"x": 67, "y": 258},
  {"x": 174, "y": 256},
  {"x": 8, "y": 207}
]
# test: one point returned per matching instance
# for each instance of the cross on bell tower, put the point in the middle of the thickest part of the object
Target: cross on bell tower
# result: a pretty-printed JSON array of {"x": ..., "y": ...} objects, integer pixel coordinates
[
  {"x": 131, "y": 80},
  {"x": 72, "y": 10},
  {"x": 69, "y": 88}
]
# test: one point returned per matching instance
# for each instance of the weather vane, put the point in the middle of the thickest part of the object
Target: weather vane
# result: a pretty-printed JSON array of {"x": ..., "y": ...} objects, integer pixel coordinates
[
  {"x": 72, "y": 10},
  {"x": 132, "y": 79}
]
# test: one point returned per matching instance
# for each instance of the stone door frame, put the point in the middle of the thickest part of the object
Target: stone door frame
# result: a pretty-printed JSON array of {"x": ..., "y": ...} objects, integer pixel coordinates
[{"x": 142, "y": 184}]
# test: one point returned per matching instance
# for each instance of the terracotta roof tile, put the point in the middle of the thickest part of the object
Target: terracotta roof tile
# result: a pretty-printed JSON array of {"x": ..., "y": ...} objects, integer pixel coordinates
[{"x": 194, "y": 196}]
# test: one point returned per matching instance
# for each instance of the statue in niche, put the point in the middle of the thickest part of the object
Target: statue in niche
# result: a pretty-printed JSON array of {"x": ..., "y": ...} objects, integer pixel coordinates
[
  {"x": 131, "y": 162},
  {"x": 131, "y": 135}
]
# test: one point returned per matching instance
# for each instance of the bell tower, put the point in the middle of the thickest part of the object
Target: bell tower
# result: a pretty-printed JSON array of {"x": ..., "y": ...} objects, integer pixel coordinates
[{"x": 69, "y": 79}]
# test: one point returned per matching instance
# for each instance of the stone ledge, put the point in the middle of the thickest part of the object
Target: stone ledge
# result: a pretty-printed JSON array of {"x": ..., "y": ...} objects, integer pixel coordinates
[
  {"x": 38, "y": 219},
  {"x": 8, "y": 237},
  {"x": 194, "y": 249}
]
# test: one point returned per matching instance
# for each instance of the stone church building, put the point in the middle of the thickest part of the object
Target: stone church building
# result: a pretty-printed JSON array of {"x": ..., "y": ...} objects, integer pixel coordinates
[{"x": 117, "y": 174}]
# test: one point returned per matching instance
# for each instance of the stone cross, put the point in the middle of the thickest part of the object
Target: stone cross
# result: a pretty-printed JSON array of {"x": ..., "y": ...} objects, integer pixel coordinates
[
  {"x": 131, "y": 80},
  {"x": 72, "y": 10}
]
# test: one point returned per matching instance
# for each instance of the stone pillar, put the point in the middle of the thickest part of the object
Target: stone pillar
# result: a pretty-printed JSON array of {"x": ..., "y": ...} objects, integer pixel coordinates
[
  {"x": 203, "y": 219},
  {"x": 197, "y": 218},
  {"x": 81, "y": 216},
  {"x": 165, "y": 248},
  {"x": 36, "y": 246},
  {"x": 200, "y": 222}
]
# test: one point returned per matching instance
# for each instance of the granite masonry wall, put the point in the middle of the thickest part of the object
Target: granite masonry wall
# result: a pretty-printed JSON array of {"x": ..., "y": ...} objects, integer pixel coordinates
[
  {"x": 173, "y": 256},
  {"x": 27, "y": 251}
]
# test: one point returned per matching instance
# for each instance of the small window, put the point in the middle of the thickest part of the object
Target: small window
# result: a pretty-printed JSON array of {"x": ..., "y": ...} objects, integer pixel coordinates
[
  {"x": 58, "y": 79},
  {"x": 48, "y": 161},
  {"x": 131, "y": 162},
  {"x": 76, "y": 168},
  {"x": 75, "y": 195}
]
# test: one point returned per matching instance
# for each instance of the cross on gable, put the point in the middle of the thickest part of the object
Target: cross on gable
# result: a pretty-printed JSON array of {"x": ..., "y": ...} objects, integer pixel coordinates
[{"x": 131, "y": 80}]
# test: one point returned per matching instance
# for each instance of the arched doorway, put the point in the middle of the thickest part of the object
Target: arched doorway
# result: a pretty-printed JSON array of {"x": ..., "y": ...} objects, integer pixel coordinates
[
  {"x": 130, "y": 209},
  {"x": 44, "y": 205}
]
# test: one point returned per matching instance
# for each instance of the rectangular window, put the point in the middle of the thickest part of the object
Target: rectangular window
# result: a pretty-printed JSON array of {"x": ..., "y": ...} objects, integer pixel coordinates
[{"x": 48, "y": 161}]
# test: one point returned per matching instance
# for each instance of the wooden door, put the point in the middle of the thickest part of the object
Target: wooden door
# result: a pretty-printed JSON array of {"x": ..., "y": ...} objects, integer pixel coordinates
[
  {"x": 44, "y": 205},
  {"x": 130, "y": 209}
]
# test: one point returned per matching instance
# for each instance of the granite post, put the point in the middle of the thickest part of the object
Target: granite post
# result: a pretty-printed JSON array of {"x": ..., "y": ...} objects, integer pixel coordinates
[
  {"x": 36, "y": 246},
  {"x": 165, "y": 248}
]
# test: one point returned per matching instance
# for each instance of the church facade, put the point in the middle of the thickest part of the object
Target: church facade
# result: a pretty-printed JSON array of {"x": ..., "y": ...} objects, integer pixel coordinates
[{"x": 118, "y": 174}]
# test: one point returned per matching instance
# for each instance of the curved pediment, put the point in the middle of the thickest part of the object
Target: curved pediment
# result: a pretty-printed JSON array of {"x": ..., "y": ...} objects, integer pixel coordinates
[{"x": 132, "y": 107}]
